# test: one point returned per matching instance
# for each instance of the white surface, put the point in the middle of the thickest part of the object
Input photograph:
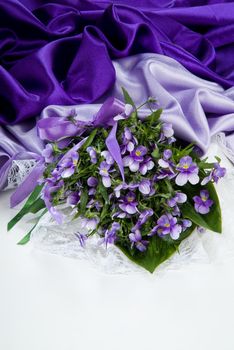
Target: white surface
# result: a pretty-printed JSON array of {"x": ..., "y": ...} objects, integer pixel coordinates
[{"x": 48, "y": 302}]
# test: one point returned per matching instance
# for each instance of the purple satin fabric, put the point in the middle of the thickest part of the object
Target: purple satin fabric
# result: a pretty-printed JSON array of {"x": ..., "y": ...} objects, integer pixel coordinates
[
  {"x": 59, "y": 52},
  {"x": 197, "y": 108}
]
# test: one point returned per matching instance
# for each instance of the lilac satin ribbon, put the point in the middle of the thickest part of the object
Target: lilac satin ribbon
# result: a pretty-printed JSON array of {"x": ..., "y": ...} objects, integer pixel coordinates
[{"x": 56, "y": 129}]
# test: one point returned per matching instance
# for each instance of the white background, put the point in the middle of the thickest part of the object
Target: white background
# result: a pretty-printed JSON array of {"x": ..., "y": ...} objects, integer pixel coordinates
[{"x": 48, "y": 302}]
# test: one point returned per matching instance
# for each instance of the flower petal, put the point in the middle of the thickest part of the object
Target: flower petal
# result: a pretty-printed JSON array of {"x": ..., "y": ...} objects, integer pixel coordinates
[
  {"x": 181, "y": 179},
  {"x": 193, "y": 178}
]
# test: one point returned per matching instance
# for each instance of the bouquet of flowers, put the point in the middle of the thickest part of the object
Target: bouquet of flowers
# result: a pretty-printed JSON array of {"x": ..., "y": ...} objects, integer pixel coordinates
[{"x": 127, "y": 178}]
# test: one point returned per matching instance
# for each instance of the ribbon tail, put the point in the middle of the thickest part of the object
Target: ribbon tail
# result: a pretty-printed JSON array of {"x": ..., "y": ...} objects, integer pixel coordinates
[
  {"x": 27, "y": 186},
  {"x": 114, "y": 149}
]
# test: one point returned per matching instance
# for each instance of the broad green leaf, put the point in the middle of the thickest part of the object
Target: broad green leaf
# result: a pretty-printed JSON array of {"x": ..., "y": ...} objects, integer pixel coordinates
[
  {"x": 26, "y": 238},
  {"x": 128, "y": 98},
  {"x": 158, "y": 251},
  {"x": 28, "y": 207},
  {"x": 211, "y": 221}
]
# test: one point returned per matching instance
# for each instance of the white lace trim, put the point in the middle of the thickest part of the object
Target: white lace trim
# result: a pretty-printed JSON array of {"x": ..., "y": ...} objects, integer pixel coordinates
[
  {"x": 20, "y": 169},
  {"x": 220, "y": 138}
]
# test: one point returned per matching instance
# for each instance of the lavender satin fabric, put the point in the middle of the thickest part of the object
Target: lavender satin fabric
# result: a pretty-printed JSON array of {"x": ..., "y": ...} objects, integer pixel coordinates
[
  {"x": 59, "y": 52},
  {"x": 196, "y": 107}
]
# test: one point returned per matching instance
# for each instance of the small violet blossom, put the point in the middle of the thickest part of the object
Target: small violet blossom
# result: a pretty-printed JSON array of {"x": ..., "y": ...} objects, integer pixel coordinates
[
  {"x": 137, "y": 241},
  {"x": 108, "y": 158},
  {"x": 111, "y": 234},
  {"x": 146, "y": 165},
  {"x": 178, "y": 198},
  {"x": 93, "y": 154},
  {"x": 128, "y": 203},
  {"x": 165, "y": 162},
  {"x": 92, "y": 181},
  {"x": 202, "y": 204},
  {"x": 167, "y": 225},
  {"x": 68, "y": 164},
  {"x": 167, "y": 132},
  {"x": 135, "y": 158},
  {"x": 73, "y": 198},
  {"x": 47, "y": 153},
  {"x": 217, "y": 173},
  {"x": 128, "y": 141},
  {"x": 188, "y": 171},
  {"x": 186, "y": 224},
  {"x": 143, "y": 217},
  {"x": 104, "y": 172}
]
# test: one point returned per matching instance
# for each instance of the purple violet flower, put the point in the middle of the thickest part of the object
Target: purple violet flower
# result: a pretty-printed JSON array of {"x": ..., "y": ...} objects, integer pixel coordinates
[
  {"x": 202, "y": 204},
  {"x": 188, "y": 171},
  {"x": 145, "y": 186},
  {"x": 178, "y": 198},
  {"x": 176, "y": 211},
  {"x": 185, "y": 223},
  {"x": 143, "y": 217},
  {"x": 163, "y": 173},
  {"x": 93, "y": 154},
  {"x": 68, "y": 164},
  {"x": 167, "y": 225},
  {"x": 128, "y": 203},
  {"x": 146, "y": 165},
  {"x": 167, "y": 132},
  {"x": 92, "y": 181},
  {"x": 165, "y": 162},
  {"x": 110, "y": 234},
  {"x": 46, "y": 194},
  {"x": 135, "y": 158},
  {"x": 137, "y": 241},
  {"x": 73, "y": 198},
  {"x": 128, "y": 141},
  {"x": 217, "y": 173},
  {"x": 47, "y": 153},
  {"x": 108, "y": 157},
  {"x": 122, "y": 186},
  {"x": 104, "y": 172}
]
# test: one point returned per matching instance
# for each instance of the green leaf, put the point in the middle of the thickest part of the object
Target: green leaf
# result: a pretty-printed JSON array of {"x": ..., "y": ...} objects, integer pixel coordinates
[
  {"x": 211, "y": 221},
  {"x": 29, "y": 206},
  {"x": 26, "y": 238},
  {"x": 103, "y": 191},
  {"x": 155, "y": 154},
  {"x": 157, "y": 252},
  {"x": 154, "y": 117},
  {"x": 83, "y": 201},
  {"x": 128, "y": 98},
  {"x": 90, "y": 139}
]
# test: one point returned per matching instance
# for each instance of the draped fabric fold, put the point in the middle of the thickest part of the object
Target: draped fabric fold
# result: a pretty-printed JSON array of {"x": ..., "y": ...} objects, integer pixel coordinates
[
  {"x": 60, "y": 52},
  {"x": 197, "y": 108}
]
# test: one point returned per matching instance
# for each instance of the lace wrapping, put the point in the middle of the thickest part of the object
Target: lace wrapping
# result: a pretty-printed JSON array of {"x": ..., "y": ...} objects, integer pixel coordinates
[{"x": 20, "y": 169}]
